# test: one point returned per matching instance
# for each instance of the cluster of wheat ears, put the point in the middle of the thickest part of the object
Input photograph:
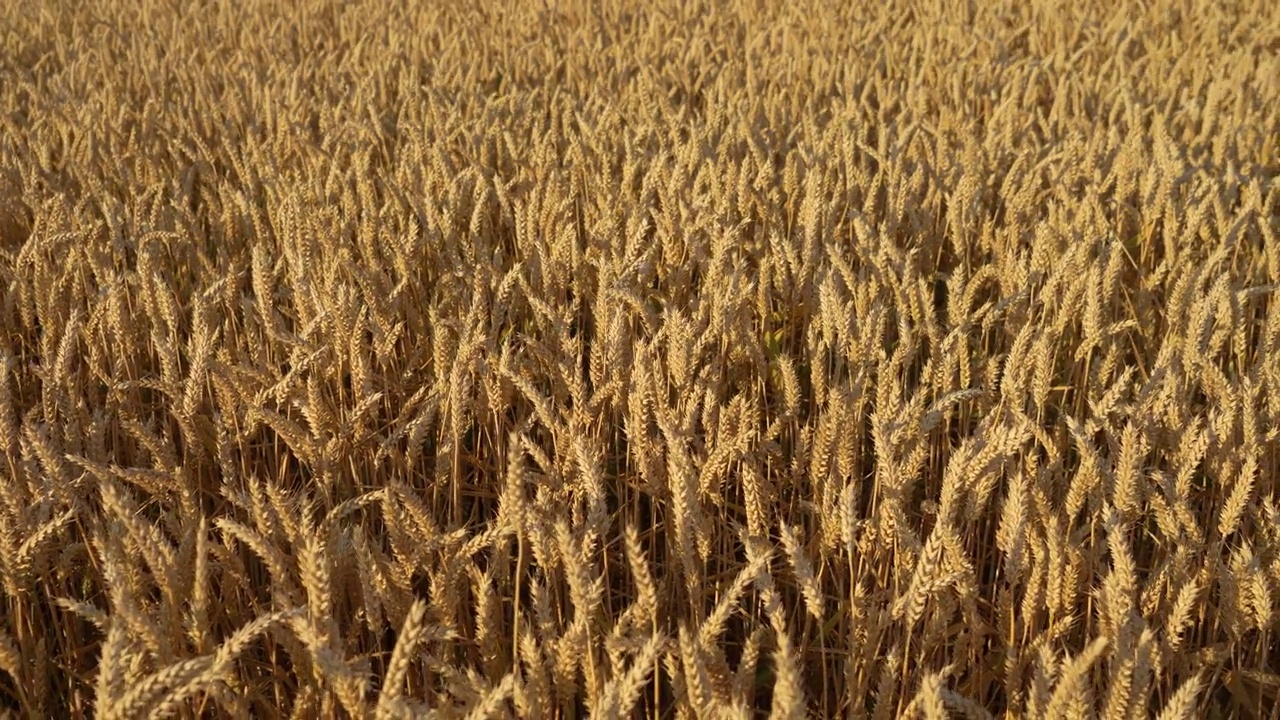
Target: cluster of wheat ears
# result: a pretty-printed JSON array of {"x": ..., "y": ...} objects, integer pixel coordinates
[{"x": 681, "y": 359}]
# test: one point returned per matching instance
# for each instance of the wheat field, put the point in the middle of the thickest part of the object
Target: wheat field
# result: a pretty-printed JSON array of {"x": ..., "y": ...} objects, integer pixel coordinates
[{"x": 562, "y": 359}]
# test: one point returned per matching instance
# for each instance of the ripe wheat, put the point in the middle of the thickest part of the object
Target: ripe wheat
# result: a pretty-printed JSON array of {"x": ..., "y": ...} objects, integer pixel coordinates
[{"x": 712, "y": 358}]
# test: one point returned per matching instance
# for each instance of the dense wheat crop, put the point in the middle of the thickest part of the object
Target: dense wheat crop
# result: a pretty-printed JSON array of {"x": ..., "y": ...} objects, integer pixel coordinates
[{"x": 698, "y": 359}]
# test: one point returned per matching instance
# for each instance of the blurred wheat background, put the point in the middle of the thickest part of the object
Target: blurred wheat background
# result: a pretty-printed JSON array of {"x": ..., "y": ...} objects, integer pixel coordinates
[{"x": 703, "y": 359}]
